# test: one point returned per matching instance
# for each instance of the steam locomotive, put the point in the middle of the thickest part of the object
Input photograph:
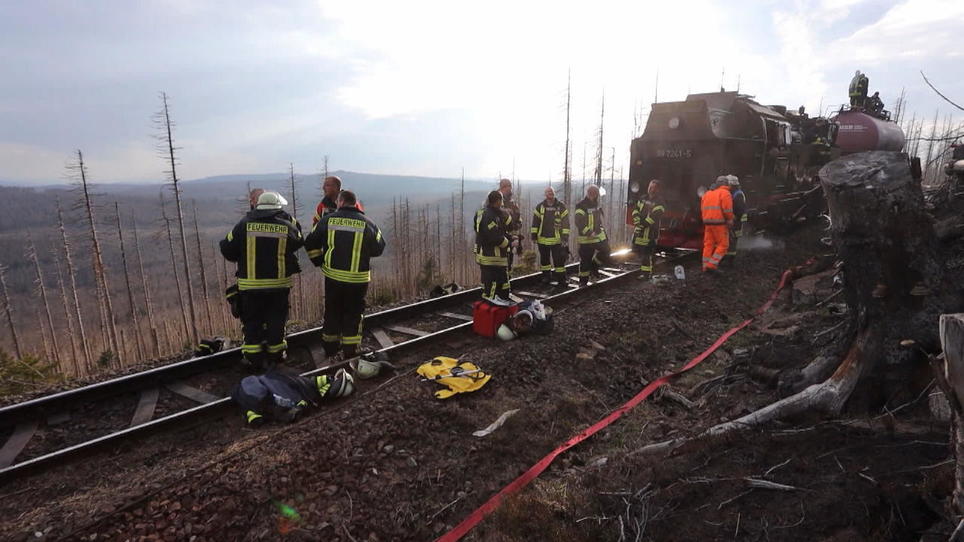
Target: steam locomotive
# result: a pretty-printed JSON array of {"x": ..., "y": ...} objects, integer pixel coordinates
[{"x": 776, "y": 154}]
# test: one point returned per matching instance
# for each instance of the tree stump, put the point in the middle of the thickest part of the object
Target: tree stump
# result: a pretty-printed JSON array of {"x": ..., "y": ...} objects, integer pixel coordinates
[
  {"x": 893, "y": 270},
  {"x": 952, "y": 341}
]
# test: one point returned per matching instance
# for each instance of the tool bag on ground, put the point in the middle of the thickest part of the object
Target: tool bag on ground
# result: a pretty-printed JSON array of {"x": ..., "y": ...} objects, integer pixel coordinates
[
  {"x": 282, "y": 394},
  {"x": 456, "y": 376},
  {"x": 487, "y": 317}
]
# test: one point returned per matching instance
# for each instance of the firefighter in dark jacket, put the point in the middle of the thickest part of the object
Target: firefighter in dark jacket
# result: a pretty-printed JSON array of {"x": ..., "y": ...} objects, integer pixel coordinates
[
  {"x": 550, "y": 231},
  {"x": 740, "y": 217},
  {"x": 331, "y": 187},
  {"x": 646, "y": 218},
  {"x": 514, "y": 229},
  {"x": 492, "y": 246},
  {"x": 263, "y": 244},
  {"x": 342, "y": 244},
  {"x": 591, "y": 235}
]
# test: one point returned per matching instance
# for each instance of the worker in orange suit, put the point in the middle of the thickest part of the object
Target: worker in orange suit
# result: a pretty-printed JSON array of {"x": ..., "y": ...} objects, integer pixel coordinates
[{"x": 717, "y": 209}]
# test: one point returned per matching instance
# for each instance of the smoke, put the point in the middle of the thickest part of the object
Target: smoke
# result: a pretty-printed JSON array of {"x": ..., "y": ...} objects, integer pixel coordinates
[{"x": 760, "y": 242}]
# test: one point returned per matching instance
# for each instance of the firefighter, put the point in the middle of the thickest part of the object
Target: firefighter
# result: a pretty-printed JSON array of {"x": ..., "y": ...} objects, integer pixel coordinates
[
  {"x": 717, "y": 211},
  {"x": 854, "y": 91},
  {"x": 550, "y": 231},
  {"x": 514, "y": 230},
  {"x": 263, "y": 244},
  {"x": 492, "y": 247},
  {"x": 646, "y": 219},
  {"x": 342, "y": 244},
  {"x": 331, "y": 188},
  {"x": 282, "y": 394},
  {"x": 591, "y": 235},
  {"x": 863, "y": 85},
  {"x": 875, "y": 105},
  {"x": 739, "y": 217}
]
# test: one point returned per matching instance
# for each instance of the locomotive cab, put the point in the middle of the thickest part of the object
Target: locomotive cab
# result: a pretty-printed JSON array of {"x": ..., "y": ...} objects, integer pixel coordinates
[{"x": 688, "y": 144}]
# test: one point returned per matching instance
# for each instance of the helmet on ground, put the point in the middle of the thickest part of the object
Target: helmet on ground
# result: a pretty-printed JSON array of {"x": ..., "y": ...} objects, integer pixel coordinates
[
  {"x": 271, "y": 200},
  {"x": 505, "y": 333},
  {"x": 341, "y": 385},
  {"x": 733, "y": 180},
  {"x": 367, "y": 368}
]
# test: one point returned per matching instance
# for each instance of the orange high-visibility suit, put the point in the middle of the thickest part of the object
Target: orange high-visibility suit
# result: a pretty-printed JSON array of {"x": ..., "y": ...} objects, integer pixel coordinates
[{"x": 717, "y": 210}]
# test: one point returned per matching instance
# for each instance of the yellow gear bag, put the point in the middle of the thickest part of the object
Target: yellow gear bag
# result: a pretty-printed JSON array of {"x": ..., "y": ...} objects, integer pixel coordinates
[{"x": 458, "y": 377}]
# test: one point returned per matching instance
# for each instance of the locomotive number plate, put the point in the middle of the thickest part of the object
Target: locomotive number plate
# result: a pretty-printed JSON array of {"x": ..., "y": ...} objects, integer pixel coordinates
[{"x": 674, "y": 153}]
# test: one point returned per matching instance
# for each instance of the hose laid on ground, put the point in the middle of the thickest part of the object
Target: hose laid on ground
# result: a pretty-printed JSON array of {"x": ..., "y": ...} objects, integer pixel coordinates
[{"x": 534, "y": 471}]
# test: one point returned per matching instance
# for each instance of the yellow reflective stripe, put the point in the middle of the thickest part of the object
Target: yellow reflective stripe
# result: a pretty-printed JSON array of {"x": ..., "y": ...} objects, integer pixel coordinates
[
  {"x": 330, "y": 338},
  {"x": 257, "y": 284},
  {"x": 548, "y": 241},
  {"x": 275, "y": 348},
  {"x": 503, "y": 244},
  {"x": 355, "y": 277},
  {"x": 354, "y": 339},
  {"x": 356, "y": 251},
  {"x": 314, "y": 253},
  {"x": 491, "y": 260},
  {"x": 331, "y": 247},
  {"x": 282, "y": 248},
  {"x": 378, "y": 235},
  {"x": 251, "y": 252},
  {"x": 231, "y": 235}
]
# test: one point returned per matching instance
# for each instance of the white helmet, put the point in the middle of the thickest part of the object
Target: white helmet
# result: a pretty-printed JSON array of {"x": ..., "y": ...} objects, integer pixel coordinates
[
  {"x": 365, "y": 369},
  {"x": 733, "y": 180},
  {"x": 271, "y": 200},
  {"x": 505, "y": 333},
  {"x": 341, "y": 385}
]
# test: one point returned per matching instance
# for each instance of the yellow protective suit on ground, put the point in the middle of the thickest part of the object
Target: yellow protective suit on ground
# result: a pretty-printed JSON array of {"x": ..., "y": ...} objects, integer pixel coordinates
[{"x": 458, "y": 377}]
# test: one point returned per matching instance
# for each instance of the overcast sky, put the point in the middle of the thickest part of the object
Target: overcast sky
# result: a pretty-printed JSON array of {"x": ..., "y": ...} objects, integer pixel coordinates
[{"x": 425, "y": 88}]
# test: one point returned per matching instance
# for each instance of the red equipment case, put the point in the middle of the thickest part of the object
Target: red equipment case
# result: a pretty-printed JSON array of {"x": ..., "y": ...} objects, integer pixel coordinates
[{"x": 486, "y": 317}]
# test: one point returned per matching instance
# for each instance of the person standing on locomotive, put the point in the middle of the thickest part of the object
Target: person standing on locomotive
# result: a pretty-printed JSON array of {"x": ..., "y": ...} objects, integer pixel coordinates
[
  {"x": 263, "y": 244},
  {"x": 550, "y": 231},
  {"x": 492, "y": 246},
  {"x": 342, "y": 244},
  {"x": 717, "y": 211},
  {"x": 591, "y": 235},
  {"x": 514, "y": 228},
  {"x": 739, "y": 217},
  {"x": 646, "y": 219}
]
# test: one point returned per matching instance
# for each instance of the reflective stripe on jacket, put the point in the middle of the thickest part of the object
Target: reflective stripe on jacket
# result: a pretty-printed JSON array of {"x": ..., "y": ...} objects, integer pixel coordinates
[
  {"x": 343, "y": 243},
  {"x": 646, "y": 218},
  {"x": 589, "y": 223},
  {"x": 550, "y": 223},
  {"x": 263, "y": 244},
  {"x": 717, "y": 206},
  {"x": 491, "y": 236}
]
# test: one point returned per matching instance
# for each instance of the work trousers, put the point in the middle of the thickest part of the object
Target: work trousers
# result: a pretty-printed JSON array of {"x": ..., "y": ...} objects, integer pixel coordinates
[
  {"x": 646, "y": 253},
  {"x": 344, "y": 314},
  {"x": 591, "y": 257},
  {"x": 495, "y": 281},
  {"x": 552, "y": 262},
  {"x": 735, "y": 233},
  {"x": 263, "y": 317},
  {"x": 716, "y": 241}
]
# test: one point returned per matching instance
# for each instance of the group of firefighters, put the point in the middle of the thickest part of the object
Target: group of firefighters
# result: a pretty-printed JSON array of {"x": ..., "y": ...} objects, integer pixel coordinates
[
  {"x": 498, "y": 233},
  {"x": 342, "y": 240}
]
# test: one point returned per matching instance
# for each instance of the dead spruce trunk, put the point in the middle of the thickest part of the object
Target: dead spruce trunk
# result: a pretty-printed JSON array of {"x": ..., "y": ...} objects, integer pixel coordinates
[{"x": 894, "y": 284}]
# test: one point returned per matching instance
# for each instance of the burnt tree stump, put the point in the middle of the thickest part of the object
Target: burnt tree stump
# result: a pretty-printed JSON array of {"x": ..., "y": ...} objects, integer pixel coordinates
[{"x": 894, "y": 280}]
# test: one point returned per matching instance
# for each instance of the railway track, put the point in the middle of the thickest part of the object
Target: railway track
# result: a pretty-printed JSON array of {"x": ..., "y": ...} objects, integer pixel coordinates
[{"x": 53, "y": 429}]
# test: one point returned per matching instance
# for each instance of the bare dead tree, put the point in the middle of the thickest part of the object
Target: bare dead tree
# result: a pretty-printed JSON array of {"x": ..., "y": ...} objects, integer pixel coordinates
[
  {"x": 100, "y": 271},
  {"x": 32, "y": 255},
  {"x": 599, "y": 147},
  {"x": 71, "y": 333},
  {"x": 147, "y": 291},
  {"x": 139, "y": 343},
  {"x": 567, "y": 166},
  {"x": 946, "y": 99},
  {"x": 71, "y": 272},
  {"x": 167, "y": 149},
  {"x": 177, "y": 278},
  {"x": 8, "y": 312},
  {"x": 204, "y": 276}
]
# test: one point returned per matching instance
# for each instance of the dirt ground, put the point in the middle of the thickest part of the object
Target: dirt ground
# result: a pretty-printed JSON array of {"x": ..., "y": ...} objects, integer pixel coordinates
[{"x": 393, "y": 463}]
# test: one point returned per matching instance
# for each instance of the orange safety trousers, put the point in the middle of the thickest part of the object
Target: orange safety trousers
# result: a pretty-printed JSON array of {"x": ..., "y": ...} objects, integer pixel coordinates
[{"x": 716, "y": 241}]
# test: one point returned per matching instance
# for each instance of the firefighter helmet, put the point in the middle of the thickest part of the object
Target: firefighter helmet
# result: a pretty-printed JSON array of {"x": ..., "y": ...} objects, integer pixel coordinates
[{"x": 505, "y": 333}]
